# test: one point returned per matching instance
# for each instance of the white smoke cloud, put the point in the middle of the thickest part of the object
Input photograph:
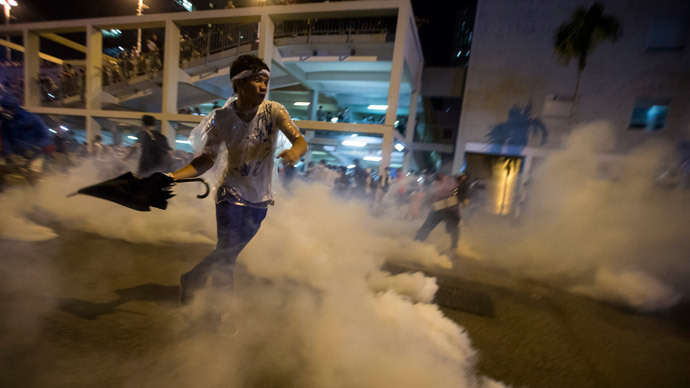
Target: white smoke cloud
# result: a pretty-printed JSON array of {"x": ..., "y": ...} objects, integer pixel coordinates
[
  {"x": 597, "y": 226},
  {"x": 316, "y": 310},
  {"x": 187, "y": 220}
]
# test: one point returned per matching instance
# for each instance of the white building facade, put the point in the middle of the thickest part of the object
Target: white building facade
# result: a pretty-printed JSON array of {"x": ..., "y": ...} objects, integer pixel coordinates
[{"x": 640, "y": 84}]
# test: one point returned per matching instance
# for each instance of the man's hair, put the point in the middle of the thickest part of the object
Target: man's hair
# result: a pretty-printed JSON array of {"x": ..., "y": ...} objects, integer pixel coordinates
[
  {"x": 247, "y": 62},
  {"x": 148, "y": 120}
]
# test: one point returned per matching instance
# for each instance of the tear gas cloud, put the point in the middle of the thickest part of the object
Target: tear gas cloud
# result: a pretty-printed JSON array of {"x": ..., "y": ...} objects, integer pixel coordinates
[
  {"x": 325, "y": 315},
  {"x": 188, "y": 220},
  {"x": 598, "y": 226},
  {"x": 317, "y": 310}
]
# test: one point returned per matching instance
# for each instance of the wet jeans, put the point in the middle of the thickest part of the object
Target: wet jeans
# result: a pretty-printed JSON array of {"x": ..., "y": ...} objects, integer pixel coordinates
[{"x": 236, "y": 226}]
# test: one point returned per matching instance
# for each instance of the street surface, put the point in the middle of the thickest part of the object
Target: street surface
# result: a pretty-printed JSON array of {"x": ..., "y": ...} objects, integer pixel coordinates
[{"x": 84, "y": 311}]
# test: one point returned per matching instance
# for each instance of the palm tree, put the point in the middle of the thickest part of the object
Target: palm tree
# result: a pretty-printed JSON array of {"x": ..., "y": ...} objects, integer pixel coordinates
[{"x": 579, "y": 36}]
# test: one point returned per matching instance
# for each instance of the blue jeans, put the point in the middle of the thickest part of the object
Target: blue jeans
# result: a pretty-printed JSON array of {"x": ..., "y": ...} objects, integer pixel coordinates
[{"x": 236, "y": 225}]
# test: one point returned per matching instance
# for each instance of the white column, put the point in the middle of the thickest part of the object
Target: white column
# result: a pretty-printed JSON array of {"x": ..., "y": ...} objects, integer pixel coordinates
[
  {"x": 521, "y": 189},
  {"x": 94, "y": 64},
  {"x": 459, "y": 155},
  {"x": 266, "y": 31},
  {"x": 31, "y": 69},
  {"x": 386, "y": 149},
  {"x": 308, "y": 136},
  {"x": 409, "y": 130},
  {"x": 313, "y": 104},
  {"x": 171, "y": 71},
  {"x": 412, "y": 119},
  {"x": 93, "y": 128},
  {"x": 401, "y": 30}
]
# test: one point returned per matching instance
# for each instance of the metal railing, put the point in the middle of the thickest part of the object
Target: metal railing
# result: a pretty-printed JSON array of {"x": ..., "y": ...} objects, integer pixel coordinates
[
  {"x": 119, "y": 71},
  {"x": 308, "y": 27},
  {"x": 221, "y": 38}
]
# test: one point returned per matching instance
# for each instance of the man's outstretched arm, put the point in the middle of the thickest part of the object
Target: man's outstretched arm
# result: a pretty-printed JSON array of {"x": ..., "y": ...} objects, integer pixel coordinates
[
  {"x": 299, "y": 145},
  {"x": 198, "y": 166}
]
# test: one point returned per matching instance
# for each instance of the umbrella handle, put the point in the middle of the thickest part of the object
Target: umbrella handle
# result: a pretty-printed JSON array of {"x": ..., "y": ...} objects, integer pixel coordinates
[{"x": 208, "y": 189}]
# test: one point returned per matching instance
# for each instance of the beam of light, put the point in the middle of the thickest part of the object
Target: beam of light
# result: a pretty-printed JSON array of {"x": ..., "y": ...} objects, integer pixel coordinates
[
  {"x": 302, "y": 103},
  {"x": 132, "y": 137},
  {"x": 52, "y": 130},
  {"x": 354, "y": 143},
  {"x": 64, "y": 128},
  {"x": 505, "y": 181},
  {"x": 377, "y": 107}
]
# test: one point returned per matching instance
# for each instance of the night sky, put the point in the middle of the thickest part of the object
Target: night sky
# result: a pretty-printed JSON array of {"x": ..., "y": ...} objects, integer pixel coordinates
[{"x": 435, "y": 24}]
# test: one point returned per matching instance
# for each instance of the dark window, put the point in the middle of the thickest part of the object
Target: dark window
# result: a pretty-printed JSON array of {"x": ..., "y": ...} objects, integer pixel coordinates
[
  {"x": 667, "y": 34},
  {"x": 437, "y": 103},
  {"x": 649, "y": 114}
]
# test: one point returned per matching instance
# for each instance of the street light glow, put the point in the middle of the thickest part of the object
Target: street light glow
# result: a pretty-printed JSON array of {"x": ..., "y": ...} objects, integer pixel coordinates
[{"x": 354, "y": 143}]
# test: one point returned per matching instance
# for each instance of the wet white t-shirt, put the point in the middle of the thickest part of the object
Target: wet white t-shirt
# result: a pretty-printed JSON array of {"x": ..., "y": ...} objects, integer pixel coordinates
[{"x": 250, "y": 149}]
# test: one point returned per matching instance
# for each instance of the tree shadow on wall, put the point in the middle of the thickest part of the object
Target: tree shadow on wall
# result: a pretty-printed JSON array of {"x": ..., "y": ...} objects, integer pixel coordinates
[{"x": 512, "y": 136}]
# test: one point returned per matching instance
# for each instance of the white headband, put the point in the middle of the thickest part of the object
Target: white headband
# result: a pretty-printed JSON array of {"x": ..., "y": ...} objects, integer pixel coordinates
[{"x": 249, "y": 73}]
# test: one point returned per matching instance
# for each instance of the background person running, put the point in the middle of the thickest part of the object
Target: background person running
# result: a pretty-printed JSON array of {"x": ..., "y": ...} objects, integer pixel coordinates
[{"x": 156, "y": 154}]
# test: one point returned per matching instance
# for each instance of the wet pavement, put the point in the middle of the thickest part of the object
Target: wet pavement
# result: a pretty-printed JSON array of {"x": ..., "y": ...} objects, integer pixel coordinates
[{"x": 82, "y": 310}]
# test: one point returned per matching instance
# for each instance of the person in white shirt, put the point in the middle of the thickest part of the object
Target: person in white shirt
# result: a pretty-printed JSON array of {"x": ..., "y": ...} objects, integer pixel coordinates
[{"x": 247, "y": 128}]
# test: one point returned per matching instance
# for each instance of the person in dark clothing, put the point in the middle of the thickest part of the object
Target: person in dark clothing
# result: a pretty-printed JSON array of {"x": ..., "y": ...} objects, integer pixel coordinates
[
  {"x": 359, "y": 178},
  {"x": 289, "y": 173},
  {"x": 156, "y": 154},
  {"x": 445, "y": 203},
  {"x": 23, "y": 132},
  {"x": 341, "y": 185}
]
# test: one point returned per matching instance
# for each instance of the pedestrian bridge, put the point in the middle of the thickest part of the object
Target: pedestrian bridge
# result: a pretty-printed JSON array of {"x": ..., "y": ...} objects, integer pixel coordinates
[{"x": 363, "y": 56}]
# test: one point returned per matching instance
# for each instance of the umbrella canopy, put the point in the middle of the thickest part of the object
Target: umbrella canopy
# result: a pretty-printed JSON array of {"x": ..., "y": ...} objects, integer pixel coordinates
[{"x": 138, "y": 193}]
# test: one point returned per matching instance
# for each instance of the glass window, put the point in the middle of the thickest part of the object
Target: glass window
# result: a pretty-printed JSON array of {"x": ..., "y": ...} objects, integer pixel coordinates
[{"x": 649, "y": 114}]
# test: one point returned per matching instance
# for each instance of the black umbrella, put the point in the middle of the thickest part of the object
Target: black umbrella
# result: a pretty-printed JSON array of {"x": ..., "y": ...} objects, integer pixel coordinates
[{"x": 138, "y": 193}]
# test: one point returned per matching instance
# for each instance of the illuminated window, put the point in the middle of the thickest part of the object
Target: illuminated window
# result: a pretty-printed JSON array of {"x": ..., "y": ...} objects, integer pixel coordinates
[{"x": 649, "y": 114}]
